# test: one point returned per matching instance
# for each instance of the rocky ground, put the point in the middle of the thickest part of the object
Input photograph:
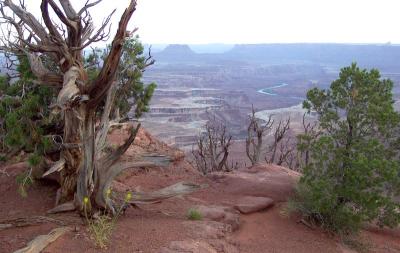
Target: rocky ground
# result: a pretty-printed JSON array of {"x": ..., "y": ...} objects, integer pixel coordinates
[{"x": 243, "y": 211}]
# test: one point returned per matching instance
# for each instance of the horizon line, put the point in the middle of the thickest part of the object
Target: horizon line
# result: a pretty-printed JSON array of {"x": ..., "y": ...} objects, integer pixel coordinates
[{"x": 274, "y": 43}]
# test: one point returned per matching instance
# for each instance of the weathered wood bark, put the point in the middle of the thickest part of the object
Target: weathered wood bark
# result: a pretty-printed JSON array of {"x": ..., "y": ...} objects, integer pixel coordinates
[
  {"x": 72, "y": 135},
  {"x": 178, "y": 189}
]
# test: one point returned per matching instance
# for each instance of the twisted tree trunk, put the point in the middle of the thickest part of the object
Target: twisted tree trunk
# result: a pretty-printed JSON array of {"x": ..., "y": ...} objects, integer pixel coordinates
[
  {"x": 73, "y": 156},
  {"x": 86, "y": 169}
]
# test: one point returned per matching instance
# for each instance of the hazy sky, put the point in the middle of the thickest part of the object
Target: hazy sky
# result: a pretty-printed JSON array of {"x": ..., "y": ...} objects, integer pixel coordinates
[{"x": 258, "y": 21}]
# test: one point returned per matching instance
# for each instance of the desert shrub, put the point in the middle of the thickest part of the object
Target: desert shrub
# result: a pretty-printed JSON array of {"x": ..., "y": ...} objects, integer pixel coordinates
[
  {"x": 352, "y": 176},
  {"x": 194, "y": 214}
]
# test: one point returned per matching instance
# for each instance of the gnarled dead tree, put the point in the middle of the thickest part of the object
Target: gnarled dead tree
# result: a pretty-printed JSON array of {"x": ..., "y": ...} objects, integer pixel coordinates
[
  {"x": 279, "y": 133},
  {"x": 212, "y": 150},
  {"x": 256, "y": 131},
  {"x": 287, "y": 153},
  {"x": 304, "y": 140},
  {"x": 86, "y": 168}
]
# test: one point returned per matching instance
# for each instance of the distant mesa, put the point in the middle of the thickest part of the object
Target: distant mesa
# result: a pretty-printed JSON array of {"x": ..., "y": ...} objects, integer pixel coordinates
[
  {"x": 178, "y": 49},
  {"x": 382, "y": 56},
  {"x": 367, "y": 55},
  {"x": 177, "y": 52}
]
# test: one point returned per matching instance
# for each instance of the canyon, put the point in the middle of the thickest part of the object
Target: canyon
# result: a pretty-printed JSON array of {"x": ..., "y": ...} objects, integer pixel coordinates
[{"x": 274, "y": 78}]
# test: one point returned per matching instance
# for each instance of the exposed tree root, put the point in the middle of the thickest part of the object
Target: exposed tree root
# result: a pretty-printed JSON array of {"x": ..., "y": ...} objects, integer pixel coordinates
[
  {"x": 178, "y": 189},
  {"x": 42, "y": 241},
  {"x": 66, "y": 207}
]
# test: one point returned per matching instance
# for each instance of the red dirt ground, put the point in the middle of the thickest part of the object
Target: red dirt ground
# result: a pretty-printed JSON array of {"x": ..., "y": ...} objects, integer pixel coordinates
[{"x": 154, "y": 226}]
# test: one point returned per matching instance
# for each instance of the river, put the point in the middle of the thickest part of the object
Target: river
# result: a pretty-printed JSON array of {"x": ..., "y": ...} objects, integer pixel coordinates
[{"x": 269, "y": 90}]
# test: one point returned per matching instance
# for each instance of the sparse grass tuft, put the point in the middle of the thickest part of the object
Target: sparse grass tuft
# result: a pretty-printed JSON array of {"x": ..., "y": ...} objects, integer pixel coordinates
[
  {"x": 194, "y": 214},
  {"x": 100, "y": 230},
  {"x": 356, "y": 243},
  {"x": 101, "y": 227}
]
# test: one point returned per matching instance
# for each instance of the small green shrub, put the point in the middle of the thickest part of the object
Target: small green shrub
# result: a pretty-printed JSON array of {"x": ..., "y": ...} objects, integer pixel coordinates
[
  {"x": 352, "y": 176},
  {"x": 194, "y": 214}
]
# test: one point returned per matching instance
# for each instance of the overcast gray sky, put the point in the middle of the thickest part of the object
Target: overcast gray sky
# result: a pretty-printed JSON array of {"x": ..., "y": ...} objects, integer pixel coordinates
[{"x": 257, "y": 21}]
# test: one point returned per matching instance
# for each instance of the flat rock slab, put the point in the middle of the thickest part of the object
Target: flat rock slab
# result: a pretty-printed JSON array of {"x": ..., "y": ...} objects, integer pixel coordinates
[
  {"x": 189, "y": 246},
  {"x": 207, "y": 237},
  {"x": 227, "y": 215},
  {"x": 250, "y": 204},
  {"x": 207, "y": 229},
  {"x": 265, "y": 180}
]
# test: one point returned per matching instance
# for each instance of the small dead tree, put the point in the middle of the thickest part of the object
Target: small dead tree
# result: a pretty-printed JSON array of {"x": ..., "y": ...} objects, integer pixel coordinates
[
  {"x": 310, "y": 133},
  {"x": 287, "y": 153},
  {"x": 256, "y": 131},
  {"x": 213, "y": 148},
  {"x": 279, "y": 133},
  {"x": 291, "y": 160}
]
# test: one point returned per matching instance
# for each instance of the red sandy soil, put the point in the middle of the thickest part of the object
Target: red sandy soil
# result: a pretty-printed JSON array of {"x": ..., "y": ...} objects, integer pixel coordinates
[{"x": 151, "y": 227}]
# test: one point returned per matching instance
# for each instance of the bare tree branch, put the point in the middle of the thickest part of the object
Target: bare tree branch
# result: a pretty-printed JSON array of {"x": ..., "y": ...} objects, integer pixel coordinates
[
  {"x": 99, "y": 87},
  {"x": 69, "y": 10},
  {"x": 28, "y": 18},
  {"x": 99, "y": 36},
  {"x": 49, "y": 24},
  {"x": 87, "y": 6},
  {"x": 42, "y": 73},
  {"x": 111, "y": 158},
  {"x": 61, "y": 15}
]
